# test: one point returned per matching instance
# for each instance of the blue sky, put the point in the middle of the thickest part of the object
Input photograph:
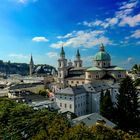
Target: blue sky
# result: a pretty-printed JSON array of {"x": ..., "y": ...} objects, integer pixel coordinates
[{"x": 41, "y": 27}]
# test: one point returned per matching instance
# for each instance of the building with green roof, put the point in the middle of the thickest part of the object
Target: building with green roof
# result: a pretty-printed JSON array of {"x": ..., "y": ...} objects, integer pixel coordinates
[
  {"x": 103, "y": 70},
  {"x": 73, "y": 73}
]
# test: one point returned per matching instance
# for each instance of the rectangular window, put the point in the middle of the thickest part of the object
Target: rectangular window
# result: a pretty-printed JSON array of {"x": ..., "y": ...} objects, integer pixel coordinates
[
  {"x": 60, "y": 104},
  {"x": 70, "y": 106},
  {"x": 65, "y": 105}
]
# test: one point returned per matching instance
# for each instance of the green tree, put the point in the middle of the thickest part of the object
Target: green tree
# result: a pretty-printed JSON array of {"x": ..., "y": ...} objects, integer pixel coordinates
[
  {"x": 101, "y": 102},
  {"x": 79, "y": 132},
  {"x": 106, "y": 105},
  {"x": 137, "y": 82},
  {"x": 127, "y": 106},
  {"x": 135, "y": 67},
  {"x": 43, "y": 93}
]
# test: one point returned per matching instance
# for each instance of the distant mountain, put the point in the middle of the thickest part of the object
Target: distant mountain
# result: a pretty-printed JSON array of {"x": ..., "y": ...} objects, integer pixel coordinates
[{"x": 23, "y": 68}]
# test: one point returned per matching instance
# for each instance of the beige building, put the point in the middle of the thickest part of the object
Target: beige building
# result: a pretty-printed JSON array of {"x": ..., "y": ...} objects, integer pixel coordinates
[{"x": 73, "y": 74}]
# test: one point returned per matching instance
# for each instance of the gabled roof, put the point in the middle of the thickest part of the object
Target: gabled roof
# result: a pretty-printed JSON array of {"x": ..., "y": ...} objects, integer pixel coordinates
[{"x": 92, "y": 119}]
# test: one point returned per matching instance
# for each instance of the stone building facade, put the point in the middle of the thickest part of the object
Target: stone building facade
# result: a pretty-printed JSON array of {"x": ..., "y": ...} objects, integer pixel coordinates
[{"x": 73, "y": 74}]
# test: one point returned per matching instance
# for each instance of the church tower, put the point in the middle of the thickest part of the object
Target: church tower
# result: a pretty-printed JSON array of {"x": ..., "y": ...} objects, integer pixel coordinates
[
  {"x": 62, "y": 68},
  {"x": 31, "y": 66},
  {"x": 78, "y": 61}
]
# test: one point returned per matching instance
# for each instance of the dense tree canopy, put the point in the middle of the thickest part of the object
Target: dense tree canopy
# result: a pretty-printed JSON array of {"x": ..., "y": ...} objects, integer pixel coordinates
[
  {"x": 127, "y": 106},
  {"x": 106, "y": 105},
  {"x": 19, "y": 122}
]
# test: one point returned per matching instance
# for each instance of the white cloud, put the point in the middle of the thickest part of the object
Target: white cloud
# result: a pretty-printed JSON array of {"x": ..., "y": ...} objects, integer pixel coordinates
[
  {"x": 65, "y": 36},
  {"x": 52, "y": 54},
  {"x": 26, "y": 1},
  {"x": 86, "y": 39},
  {"x": 18, "y": 56},
  {"x": 130, "y": 59},
  {"x": 92, "y": 23},
  {"x": 138, "y": 43},
  {"x": 123, "y": 16},
  {"x": 105, "y": 23},
  {"x": 136, "y": 34},
  {"x": 22, "y": 1},
  {"x": 57, "y": 45},
  {"x": 130, "y": 20},
  {"x": 130, "y": 4},
  {"x": 112, "y": 21},
  {"x": 40, "y": 39}
]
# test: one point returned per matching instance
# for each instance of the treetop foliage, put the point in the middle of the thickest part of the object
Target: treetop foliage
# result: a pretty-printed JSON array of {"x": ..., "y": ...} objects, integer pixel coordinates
[{"x": 19, "y": 122}]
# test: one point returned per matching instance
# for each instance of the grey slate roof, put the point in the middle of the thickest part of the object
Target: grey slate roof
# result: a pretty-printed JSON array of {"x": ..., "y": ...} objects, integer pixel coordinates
[
  {"x": 93, "y": 88},
  {"x": 96, "y": 86},
  {"x": 91, "y": 119},
  {"x": 72, "y": 90}
]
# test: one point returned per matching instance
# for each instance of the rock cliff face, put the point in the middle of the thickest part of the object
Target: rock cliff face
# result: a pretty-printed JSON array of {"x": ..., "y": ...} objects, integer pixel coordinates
[{"x": 23, "y": 68}]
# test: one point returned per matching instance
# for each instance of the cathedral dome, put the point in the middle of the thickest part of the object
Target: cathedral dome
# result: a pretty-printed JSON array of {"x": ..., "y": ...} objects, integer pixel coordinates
[{"x": 102, "y": 55}]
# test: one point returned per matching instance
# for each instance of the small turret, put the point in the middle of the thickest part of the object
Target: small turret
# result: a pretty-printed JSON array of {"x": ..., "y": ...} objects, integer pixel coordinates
[{"x": 102, "y": 48}]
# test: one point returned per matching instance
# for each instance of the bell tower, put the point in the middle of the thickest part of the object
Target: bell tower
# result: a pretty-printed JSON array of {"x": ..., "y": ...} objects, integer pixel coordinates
[
  {"x": 62, "y": 68},
  {"x": 78, "y": 62}
]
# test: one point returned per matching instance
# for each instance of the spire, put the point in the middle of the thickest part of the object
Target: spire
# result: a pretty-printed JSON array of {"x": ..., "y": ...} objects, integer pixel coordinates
[
  {"x": 31, "y": 66},
  {"x": 102, "y": 48},
  {"x": 62, "y": 51},
  {"x": 78, "y": 53},
  {"x": 31, "y": 60}
]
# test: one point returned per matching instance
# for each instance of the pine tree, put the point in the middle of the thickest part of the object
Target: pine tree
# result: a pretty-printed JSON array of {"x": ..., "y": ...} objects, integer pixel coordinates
[
  {"x": 106, "y": 105},
  {"x": 127, "y": 105},
  {"x": 101, "y": 102}
]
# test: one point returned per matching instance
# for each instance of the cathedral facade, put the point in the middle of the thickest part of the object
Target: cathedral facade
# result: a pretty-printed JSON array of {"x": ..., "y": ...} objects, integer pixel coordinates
[{"x": 73, "y": 74}]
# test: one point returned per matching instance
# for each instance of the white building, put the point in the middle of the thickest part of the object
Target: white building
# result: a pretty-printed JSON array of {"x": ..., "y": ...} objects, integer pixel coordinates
[
  {"x": 84, "y": 99},
  {"x": 72, "y": 99}
]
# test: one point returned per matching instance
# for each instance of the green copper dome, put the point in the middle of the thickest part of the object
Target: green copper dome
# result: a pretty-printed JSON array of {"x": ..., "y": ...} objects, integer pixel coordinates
[{"x": 102, "y": 55}]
